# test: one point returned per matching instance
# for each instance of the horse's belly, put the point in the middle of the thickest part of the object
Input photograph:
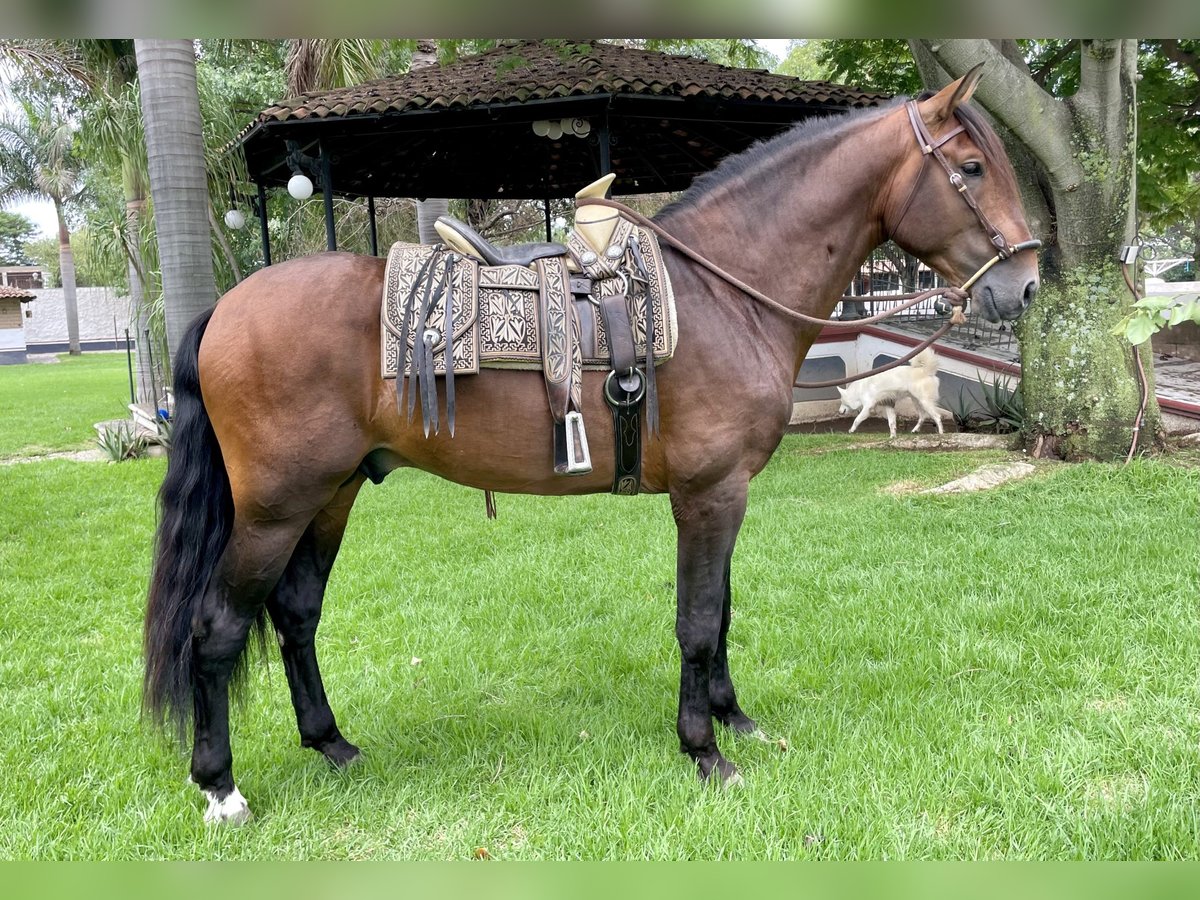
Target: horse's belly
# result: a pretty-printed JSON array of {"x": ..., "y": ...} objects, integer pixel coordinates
[{"x": 504, "y": 436}]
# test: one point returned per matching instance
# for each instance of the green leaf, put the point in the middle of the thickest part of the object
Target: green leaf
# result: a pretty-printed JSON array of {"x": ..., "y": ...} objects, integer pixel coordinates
[
  {"x": 1154, "y": 303},
  {"x": 1139, "y": 330}
]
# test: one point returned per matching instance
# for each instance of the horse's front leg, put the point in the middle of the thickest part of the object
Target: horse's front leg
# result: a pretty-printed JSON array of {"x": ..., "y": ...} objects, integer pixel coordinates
[
  {"x": 708, "y": 521},
  {"x": 721, "y": 695}
]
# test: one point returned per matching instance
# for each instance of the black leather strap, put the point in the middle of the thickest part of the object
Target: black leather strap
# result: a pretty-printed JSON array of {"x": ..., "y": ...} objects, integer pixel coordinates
[
  {"x": 619, "y": 331},
  {"x": 642, "y": 276},
  {"x": 451, "y": 259},
  {"x": 403, "y": 383},
  {"x": 627, "y": 432},
  {"x": 624, "y": 390}
]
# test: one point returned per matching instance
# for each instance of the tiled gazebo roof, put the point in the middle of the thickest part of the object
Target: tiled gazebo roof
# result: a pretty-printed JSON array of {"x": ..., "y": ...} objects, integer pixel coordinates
[
  {"x": 15, "y": 293},
  {"x": 464, "y": 129},
  {"x": 534, "y": 70}
]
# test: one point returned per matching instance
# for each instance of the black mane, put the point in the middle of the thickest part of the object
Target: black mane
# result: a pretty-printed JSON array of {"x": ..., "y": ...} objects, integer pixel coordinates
[{"x": 738, "y": 164}]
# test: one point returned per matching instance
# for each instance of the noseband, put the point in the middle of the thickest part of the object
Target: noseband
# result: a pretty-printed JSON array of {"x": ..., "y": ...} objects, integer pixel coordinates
[{"x": 930, "y": 147}]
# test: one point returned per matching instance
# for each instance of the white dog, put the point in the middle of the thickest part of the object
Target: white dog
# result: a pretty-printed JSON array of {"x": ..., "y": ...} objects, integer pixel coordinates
[{"x": 918, "y": 381}]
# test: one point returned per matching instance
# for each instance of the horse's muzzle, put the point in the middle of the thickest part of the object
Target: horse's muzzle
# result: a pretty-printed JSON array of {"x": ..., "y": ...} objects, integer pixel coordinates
[{"x": 1003, "y": 294}]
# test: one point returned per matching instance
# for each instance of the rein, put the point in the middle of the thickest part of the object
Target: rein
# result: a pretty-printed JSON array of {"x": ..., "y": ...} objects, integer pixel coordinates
[{"x": 955, "y": 296}]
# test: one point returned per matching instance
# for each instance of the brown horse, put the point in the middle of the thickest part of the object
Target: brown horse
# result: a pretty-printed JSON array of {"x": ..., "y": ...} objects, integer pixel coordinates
[{"x": 282, "y": 415}]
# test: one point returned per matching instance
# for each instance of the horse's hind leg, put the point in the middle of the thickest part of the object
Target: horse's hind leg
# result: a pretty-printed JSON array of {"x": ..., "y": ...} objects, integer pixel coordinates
[
  {"x": 249, "y": 568},
  {"x": 721, "y": 695},
  {"x": 295, "y": 608}
]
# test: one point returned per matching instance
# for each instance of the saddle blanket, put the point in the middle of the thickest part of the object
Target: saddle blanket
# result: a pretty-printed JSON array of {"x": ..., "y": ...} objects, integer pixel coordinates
[{"x": 502, "y": 315}]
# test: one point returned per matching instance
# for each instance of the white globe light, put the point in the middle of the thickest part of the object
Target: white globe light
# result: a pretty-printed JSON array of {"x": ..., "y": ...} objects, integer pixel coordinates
[
  {"x": 541, "y": 127},
  {"x": 300, "y": 187},
  {"x": 234, "y": 219},
  {"x": 581, "y": 127},
  {"x": 555, "y": 131}
]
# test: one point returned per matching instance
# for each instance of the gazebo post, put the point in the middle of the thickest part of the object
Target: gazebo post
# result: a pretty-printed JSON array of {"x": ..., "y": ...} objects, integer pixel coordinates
[
  {"x": 327, "y": 191},
  {"x": 546, "y": 208},
  {"x": 262, "y": 223},
  {"x": 605, "y": 137},
  {"x": 372, "y": 235}
]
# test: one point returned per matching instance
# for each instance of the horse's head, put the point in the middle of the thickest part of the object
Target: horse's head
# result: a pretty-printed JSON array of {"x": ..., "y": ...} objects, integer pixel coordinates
[{"x": 954, "y": 203}]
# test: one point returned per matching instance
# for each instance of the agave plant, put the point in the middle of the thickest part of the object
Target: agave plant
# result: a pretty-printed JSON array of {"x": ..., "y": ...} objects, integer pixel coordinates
[{"x": 121, "y": 442}]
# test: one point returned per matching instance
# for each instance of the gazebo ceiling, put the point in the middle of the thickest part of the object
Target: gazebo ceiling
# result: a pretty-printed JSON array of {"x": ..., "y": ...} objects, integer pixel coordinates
[{"x": 465, "y": 129}]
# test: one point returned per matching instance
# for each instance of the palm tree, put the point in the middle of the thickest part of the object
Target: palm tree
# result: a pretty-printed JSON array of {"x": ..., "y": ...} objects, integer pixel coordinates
[
  {"x": 317, "y": 64},
  {"x": 37, "y": 161},
  {"x": 178, "y": 181},
  {"x": 111, "y": 136}
]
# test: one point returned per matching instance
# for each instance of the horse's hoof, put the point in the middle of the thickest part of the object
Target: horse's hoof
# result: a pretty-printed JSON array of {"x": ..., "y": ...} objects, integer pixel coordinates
[
  {"x": 232, "y": 808},
  {"x": 741, "y": 723},
  {"x": 341, "y": 753},
  {"x": 726, "y": 773},
  {"x": 730, "y": 776}
]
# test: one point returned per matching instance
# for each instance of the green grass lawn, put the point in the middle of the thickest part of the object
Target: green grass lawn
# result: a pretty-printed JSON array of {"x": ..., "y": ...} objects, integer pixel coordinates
[
  {"x": 1011, "y": 674},
  {"x": 46, "y": 407}
]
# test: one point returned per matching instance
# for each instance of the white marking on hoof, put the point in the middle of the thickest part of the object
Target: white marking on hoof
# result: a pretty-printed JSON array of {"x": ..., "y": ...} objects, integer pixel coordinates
[
  {"x": 232, "y": 809},
  {"x": 733, "y": 781}
]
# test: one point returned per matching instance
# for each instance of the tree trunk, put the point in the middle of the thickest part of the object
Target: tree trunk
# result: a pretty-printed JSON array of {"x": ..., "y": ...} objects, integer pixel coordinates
[
  {"x": 223, "y": 243},
  {"x": 134, "y": 187},
  {"x": 66, "y": 268},
  {"x": 1079, "y": 381},
  {"x": 427, "y": 213},
  {"x": 178, "y": 182},
  {"x": 429, "y": 209}
]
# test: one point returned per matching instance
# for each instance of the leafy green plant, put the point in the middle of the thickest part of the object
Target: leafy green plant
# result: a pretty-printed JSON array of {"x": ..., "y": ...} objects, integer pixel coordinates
[
  {"x": 1152, "y": 314},
  {"x": 962, "y": 410},
  {"x": 1002, "y": 411},
  {"x": 165, "y": 429},
  {"x": 121, "y": 442}
]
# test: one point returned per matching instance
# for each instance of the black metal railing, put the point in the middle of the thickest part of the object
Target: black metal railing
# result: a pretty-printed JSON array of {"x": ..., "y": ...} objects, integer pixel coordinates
[{"x": 890, "y": 272}]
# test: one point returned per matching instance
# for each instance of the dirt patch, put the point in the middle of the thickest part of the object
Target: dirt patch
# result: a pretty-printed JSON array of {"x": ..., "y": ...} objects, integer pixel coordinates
[
  {"x": 902, "y": 487},
  {"x": 964, "y": 440},
  {"x": 985, "y": 477},
  {"x": 94, "y": 455},
  {"x": 981, "y": 479}
]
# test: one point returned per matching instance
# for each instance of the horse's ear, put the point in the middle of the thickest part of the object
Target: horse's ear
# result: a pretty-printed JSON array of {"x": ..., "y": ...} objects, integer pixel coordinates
[{"x": 941, "y": 106}]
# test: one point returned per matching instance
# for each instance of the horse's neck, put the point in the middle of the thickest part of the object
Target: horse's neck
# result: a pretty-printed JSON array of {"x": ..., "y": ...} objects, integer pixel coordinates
[{"x": 798, "y": 227}]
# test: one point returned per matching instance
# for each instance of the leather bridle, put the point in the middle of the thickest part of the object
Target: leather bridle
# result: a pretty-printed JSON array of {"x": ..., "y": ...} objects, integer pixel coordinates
[
  {"x": 956, "y": 296},
  {"x": 930, "y": 147}
]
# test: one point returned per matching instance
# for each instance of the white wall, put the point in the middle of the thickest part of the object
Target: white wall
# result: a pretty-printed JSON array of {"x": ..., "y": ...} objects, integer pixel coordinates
[
  {"x": 98, "y": 307},
  {"x": 12, "y": 339}
]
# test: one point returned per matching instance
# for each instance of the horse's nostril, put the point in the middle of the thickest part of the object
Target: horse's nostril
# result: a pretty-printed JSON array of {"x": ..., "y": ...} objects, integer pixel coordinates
[{"x": 1030, "y": 290}]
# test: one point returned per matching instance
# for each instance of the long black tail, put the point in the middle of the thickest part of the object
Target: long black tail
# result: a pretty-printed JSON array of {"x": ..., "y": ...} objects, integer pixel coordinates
[{"x": 195, "y": 518}]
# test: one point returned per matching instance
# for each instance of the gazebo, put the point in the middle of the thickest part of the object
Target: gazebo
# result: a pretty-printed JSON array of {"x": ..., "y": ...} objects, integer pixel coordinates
[{"x": 531, "y": 120}]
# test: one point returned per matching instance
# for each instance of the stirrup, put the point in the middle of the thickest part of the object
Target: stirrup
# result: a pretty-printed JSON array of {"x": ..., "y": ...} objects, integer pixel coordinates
[{"x": 571, "y": 437}]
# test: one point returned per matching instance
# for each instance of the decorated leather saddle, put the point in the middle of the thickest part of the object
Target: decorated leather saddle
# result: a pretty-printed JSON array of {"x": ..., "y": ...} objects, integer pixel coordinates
[{"x": 602, "y": 301}]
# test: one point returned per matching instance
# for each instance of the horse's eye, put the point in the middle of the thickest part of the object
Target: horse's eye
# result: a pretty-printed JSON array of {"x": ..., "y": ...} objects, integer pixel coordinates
[{"x": 973, "y": 169}]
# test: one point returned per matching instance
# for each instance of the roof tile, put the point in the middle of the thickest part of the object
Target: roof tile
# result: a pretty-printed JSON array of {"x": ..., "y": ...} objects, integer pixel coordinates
[{"x": 534, "y": 70}]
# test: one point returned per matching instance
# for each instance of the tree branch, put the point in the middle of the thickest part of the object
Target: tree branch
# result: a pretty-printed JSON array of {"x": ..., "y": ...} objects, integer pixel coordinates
[
  {"x": 1173, "y": 51},
  {"x": 1046, "y": 69},
  {"x": 1016, "y": 101}
]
